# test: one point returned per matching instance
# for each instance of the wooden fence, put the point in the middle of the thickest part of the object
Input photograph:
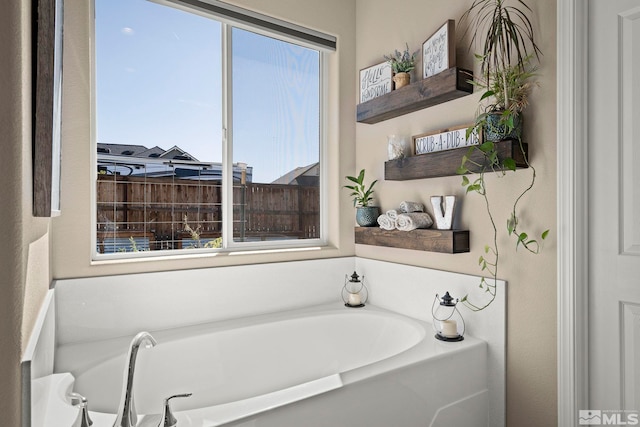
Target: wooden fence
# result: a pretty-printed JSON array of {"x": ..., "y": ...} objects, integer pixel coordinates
[{"x": 157, "y": 207}]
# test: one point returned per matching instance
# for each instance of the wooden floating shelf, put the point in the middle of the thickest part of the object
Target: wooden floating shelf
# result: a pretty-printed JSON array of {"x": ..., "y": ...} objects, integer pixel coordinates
[
  {"x": 450, "y": 84},
  {"x": 445, "y": 241},
  {"x": 446, "y": 163}
]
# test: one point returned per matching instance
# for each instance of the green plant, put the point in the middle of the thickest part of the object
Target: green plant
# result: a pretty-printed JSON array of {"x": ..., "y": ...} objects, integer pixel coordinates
[
  {"x": 359, "y": 191},
  {"x": 508, "y": 47},
  {"x": 489, "y": 262},
  {"x": 504, "y": 97},
  {"x": 507, "y": 36},
  {"x": 134, "y": 244},
  {"x": 508, "y": 89},
  {"x": 195, "y": 236},
  {"x": 402, "y": 62},
  {"x": 506, "y": 74}
]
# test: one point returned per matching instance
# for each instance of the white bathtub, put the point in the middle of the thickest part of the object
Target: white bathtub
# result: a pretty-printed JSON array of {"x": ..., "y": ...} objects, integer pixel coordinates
[{"x": 343, "y": 366}]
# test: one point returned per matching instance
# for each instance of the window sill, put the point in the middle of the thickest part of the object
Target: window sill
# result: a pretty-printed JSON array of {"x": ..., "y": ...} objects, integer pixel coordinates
[{"x": 220, "y": 254}]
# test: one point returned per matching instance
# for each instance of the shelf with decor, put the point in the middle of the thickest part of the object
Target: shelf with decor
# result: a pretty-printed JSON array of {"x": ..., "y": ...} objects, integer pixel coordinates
[
  {"x": 431, "y": 240},
  {"x": 450, "y": 84},
  {"x": 446, "y": 163}
]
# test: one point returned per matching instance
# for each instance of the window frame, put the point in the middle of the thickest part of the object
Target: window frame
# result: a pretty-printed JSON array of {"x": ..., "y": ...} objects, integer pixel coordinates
[{"x": 229, "y": 246}]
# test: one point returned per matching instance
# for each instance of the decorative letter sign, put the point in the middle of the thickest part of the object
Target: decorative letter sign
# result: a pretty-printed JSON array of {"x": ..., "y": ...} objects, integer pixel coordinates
[
  {"x": 375, "y": 81},
  {"x": 447, "y": 139},
  {"x": 444, "y": 221},
  {"x": 438, "y": 52}
]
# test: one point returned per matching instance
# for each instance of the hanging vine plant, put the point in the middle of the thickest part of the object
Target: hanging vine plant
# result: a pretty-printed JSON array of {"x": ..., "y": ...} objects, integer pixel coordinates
[{"x": 507, "y": 77}]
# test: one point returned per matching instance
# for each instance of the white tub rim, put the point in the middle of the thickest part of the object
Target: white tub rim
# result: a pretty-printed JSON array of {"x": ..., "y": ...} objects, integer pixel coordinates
[{"x": 426, "y": 348}]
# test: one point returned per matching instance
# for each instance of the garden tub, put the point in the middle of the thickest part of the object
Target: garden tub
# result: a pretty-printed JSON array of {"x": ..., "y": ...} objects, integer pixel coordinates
[{"x": 324, "y": 365}]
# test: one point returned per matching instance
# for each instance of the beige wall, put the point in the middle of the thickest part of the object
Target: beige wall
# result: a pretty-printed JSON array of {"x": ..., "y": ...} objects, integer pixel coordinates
[
  {"x": 531, "y": 350},
  {"x": 72, "y": 231},
  {"x": 24, "y": 252}
]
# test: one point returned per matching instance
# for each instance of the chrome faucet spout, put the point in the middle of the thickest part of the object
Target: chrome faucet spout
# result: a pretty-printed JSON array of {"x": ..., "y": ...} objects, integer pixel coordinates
[{"x": 127, "y": 416}]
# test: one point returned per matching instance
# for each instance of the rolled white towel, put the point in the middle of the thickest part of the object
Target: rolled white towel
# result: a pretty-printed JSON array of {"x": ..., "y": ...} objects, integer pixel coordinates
[
  {"x": 393, "y": 214},
  {"x": 411, "y": 221},
  {"x": 407, "y": 207},
  {"x": 386, "y": 223}
]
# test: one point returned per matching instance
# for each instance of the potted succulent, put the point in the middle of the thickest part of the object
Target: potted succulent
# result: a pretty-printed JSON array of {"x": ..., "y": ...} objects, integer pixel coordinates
[
  {"x": 506, "y": 79},
  {"x": 402, "y": 63},
  {"x": 366, "y": 215}
]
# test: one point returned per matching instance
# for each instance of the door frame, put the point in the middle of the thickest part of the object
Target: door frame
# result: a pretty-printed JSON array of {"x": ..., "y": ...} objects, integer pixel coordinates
[{"x": 572, "y": 185}]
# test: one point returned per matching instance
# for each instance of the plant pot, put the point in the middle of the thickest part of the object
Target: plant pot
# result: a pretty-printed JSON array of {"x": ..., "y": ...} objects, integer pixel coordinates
[
  {"x": 401, "y": 79},
  {"x": 495, "y": 131},
  {"x": 367, "y": 216}
]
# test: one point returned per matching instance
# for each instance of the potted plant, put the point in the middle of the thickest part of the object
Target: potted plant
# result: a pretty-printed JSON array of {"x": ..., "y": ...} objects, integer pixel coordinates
[
  {"x": 506, "y": 78},
  {"x": 366, "y": 215},
  {"x": 401, "y": 64},
  {"x": 505, "y": 96},
  {"x": 508, "y": 47}
]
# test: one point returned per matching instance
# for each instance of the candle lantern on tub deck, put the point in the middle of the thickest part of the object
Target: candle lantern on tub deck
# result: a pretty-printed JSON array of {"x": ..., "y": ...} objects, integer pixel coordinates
[
  {"x": 447, "y": 320},
  {"x": 354, "y": 292}
]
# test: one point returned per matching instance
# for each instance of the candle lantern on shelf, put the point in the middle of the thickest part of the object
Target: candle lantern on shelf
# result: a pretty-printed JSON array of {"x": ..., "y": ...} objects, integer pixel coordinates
[
  {"x": 354, "y": 292},
  {"x": 447, "y": 320}
]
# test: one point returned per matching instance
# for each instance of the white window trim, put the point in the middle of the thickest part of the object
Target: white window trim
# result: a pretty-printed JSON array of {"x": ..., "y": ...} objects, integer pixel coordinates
[
  {"x": 573, "y": 237},
  {"x": 229, "y": 246}
]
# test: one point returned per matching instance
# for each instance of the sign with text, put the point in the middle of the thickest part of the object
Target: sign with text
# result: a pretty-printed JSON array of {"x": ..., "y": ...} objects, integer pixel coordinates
[
  {"x": 446, "y": 139},
  {"x": 438, "y": 52},
  {"x": 375, "y": 81}
]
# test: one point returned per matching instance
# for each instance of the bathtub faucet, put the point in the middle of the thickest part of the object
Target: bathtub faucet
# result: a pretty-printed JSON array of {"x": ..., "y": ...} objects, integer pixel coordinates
[{"x": 127, "y": 416}]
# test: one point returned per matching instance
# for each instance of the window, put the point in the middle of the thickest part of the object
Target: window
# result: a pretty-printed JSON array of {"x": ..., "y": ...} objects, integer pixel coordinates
[{"x": 208, "y": 132}]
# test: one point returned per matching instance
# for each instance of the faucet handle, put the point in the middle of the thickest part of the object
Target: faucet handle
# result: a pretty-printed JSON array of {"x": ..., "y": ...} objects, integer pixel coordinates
[
  {"x": 82, "y": 420},
  {"x": 168, "y": 420},
  {"x": 77, "y": 399}
]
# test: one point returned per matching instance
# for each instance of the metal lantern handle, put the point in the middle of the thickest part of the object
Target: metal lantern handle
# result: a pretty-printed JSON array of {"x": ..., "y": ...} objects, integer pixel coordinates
[
  {"x": 464, "y": 326},
  {"x": 347, "y": 281},
  {"x": 436, "y": 300}
]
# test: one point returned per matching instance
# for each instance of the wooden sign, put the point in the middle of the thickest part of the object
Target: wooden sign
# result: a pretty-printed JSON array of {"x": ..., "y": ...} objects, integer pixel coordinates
[
  {"x": 446, "y": 139},
  {"x": 375, "y": 81},
  {"x": 438, "y": 52}
]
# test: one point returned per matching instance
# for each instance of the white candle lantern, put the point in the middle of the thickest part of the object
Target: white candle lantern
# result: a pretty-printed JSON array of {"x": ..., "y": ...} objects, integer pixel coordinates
[
  {"x": 354, "y": 292},
  {"x": 447, "y": 320}
]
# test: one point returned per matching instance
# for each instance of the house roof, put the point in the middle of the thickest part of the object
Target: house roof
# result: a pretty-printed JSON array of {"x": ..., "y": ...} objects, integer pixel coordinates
[
  {"x": 171, "y": 154},
  {"x": 142, "y": 151},
  {"x": 292, "y": 176},
  {"x": 123, "y": 149},
  {"x": 152, "y": 152}
]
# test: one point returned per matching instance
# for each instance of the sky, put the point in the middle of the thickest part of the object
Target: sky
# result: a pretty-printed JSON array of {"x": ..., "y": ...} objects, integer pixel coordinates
[{"x": 158, "y": 82}]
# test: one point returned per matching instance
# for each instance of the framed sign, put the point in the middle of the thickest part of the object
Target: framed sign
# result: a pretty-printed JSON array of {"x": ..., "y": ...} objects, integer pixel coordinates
[
  {"x": 47, "y": 83},
  {"x": 446, "y": 139},
  {"x": 438, "y": 52},
  {"x": 375, "y": 81}
]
